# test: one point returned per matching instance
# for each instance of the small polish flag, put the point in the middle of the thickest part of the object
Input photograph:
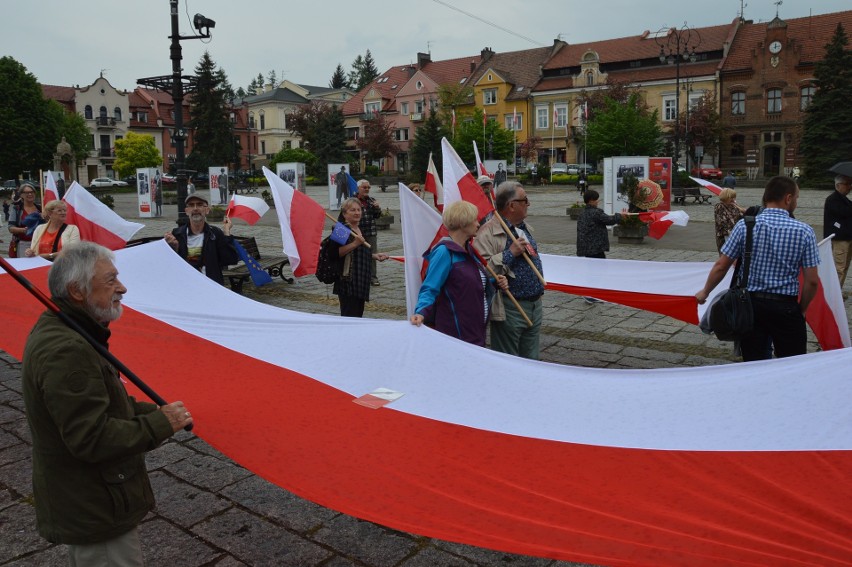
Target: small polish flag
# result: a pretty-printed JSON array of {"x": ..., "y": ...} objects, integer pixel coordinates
[
  {"x": 250, "y": 209},
  {"x": 97, "y": 222},
  {"x": 712, "y": 187},
  {"x": 660, "y": 221},
  {"x": 433, "y": 185}
]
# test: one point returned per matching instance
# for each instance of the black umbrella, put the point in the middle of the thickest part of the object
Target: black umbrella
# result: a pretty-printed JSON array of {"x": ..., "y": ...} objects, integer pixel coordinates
[{"x": 842, "y": 168}]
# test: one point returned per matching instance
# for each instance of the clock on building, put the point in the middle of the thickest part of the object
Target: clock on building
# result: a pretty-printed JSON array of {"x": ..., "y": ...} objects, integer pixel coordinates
[{"x": 775, "y": 47}]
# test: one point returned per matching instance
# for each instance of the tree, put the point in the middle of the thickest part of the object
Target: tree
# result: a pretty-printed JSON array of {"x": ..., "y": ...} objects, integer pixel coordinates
[
  {"x": 450, "y": 97},
  {"x": 825, "y": 139},
  {"x": 76, "y": 133},
  {"x": 427, "y": 140},
  {"x": 529, "y": 148},
  {"x": 213, "y": 140},
  {"x": 339, "y": 79},
  {"x": 624, "y": 129},
  {"x": 272, "y": 78},
  {"x": 363, "y": 71},
  {"x": 500, "y": 140},
  {"x": 704, "y": 127},
  {"x": 135, "y": 151},
  {"x": 320, "y": 126},
  {"x": 378, "y": 140},
  {"x": 294, "y": 155},
  {"x": 30, "y": 124}
]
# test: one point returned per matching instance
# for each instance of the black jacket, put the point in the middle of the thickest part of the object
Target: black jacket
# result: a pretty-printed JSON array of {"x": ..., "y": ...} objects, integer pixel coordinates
[
  {"x": 837, "y": 217},
  {"x": 217, "y": 253}
]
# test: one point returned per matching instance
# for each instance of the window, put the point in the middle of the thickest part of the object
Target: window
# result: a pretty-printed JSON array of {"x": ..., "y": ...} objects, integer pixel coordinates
[
  {"x": 404, "y": 109},
  {"x": 263, "y": 146},
  {"x": 102, "y": 112},
  {"x": 418, "y": 106},
  {"x": 590, "y": 78},
  {"x": 738, "y": 103},
  {"x": 287, "y": 145},
  {"x": 87, "y": 113},
  {"x": 489, "y": 96},
  {"x": 116, "y": 113},
  {"x": 251, "y": 121},
  {"x": 232, "y": 117},
  {"x": 773, "y": 101},
  {"x": 142, "y": 117},
  {"x": 401, "y": 135},
  {"x": 542, "y": 121},
  {"x": 262, "y": 122},
  {"x": 737, "y": 145},
  {"x": 561, "y": 116},
  {"x": 807, "y": 97},
  {"x": 373, "y": 107},
  {"x": 669, "y": 109},
  {"x": 518, "y": 126}
]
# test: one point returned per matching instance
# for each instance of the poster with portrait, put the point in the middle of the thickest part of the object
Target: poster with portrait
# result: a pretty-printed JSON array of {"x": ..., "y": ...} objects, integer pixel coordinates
[
  {"x": 496, "y": 170},
  {"x": 660, "y": 172},
  {"x": 218, "y": 178},
  {"x": 615, "y": 168},
  {"x": 292, "y": 173},
  {"x": 338, "y": 185},
  {"x": 147, "y": 188}
]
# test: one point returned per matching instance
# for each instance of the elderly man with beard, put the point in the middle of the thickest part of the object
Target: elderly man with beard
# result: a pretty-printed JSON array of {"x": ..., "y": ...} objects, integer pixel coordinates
[
  {"x": 89, "y": 437},
  {"x": 206, "y": 248}
]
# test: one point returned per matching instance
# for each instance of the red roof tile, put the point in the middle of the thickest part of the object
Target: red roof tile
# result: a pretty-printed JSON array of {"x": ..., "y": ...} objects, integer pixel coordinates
[
  {"x": 451, "y": 70},
  {"x": 384, "y": 83}
]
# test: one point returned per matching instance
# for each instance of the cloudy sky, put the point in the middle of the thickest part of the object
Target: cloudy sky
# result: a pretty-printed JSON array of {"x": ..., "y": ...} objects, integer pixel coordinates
[{"x": 65, "y": 43}]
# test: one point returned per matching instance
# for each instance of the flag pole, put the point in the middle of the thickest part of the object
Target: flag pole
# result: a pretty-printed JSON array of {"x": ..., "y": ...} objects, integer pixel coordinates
[
  {"x": 515, "y": 240},
  {"x": 41, "y": 186},
  {"x": 335, "y": 221},
  {"x": 505, "y": 291},
  {"x": 102, "y": 350}
]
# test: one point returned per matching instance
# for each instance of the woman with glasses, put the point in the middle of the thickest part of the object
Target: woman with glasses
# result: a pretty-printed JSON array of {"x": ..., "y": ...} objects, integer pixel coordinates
[
  {"x": 49, "y": 239},
  {"x": 23, "y": 218}
]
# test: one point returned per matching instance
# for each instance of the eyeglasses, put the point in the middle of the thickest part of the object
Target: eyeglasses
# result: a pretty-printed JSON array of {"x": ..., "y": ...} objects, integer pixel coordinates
[
  {"x": 27, "y": 192},
  {"x": 525, "y": 201}
]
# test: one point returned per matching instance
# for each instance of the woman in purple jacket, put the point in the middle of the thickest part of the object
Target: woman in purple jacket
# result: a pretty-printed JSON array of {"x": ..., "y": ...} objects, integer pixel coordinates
[{"x": 455, "y": 297}]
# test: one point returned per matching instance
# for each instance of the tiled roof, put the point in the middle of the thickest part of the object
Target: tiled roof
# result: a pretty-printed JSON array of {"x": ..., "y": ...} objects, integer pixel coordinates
[
  {"x": 451, "y": 70},
  {"x": 64, "y": 95},
  {"x": 518, "y": 68},
  {"x": 384, "y": 84},
  {"x": 279, "y": 94},
  {"x": 810, "y": 34},
  {"x": 635, "y": 75}
]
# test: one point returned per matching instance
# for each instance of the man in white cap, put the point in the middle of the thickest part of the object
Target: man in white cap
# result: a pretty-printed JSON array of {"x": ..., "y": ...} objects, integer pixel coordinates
[
  {"x": 206, "y": 248},
  {"x": 487, "y": 185}
]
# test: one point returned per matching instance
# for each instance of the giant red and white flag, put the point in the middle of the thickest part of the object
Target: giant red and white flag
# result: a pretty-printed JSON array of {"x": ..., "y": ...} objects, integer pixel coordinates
[
  {"x": 826, "y": 314},
  {"x": 250, "y": 209},
  {"x": 709, "y": 185},
  {"x": 97, "y": 222},
  {"x": 433, "y": 184},
  {"x": 460, "y": 184},
  {"x": 480, "y": 168},
  {"x": 51, "y": 193},
  {"x": 302, "y": 220},
  {"x": 739, "y": 464}
]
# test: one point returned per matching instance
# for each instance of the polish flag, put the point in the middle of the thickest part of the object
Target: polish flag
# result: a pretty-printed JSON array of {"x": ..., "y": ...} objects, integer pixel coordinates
[
  {"x": 515, "y": 118},
  {"x": 433, "y": 184},
  {"x": 301, "y": 220},
  {"x": 738, "y": 464},
  {"x": 50, "y": 193},
  {"x": 250, "y": 209},
  {"x": 660, "y": 221},
  {"x": 460, "y": 184},
  {"x": 421, "y": 229},
  {"x": 826, "y": 314},
  {"x": 712, "y": 187},
  {"x": 479, "y": 166},
  {"x": 97, "y": 222},
  {"x": 454, "y": 119},
  {"x": 484, "y": 119}
]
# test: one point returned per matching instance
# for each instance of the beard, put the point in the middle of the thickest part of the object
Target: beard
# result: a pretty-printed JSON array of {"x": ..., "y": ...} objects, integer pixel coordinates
[{"x": 106, "y": 314}]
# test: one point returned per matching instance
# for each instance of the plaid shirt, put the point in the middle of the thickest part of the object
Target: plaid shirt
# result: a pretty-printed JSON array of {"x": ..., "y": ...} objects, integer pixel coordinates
[{"x": 782, "y": 247}]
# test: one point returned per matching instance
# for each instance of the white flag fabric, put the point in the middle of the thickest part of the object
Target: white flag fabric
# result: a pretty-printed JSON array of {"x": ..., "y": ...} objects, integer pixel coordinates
[
  {"x": 420, "y": 225},
  {"x": 250, "y": 209},
  {"x": 51, "y": 193},
  {"x": 709, "y": 185},
  {"x": 97, "y": 222}
]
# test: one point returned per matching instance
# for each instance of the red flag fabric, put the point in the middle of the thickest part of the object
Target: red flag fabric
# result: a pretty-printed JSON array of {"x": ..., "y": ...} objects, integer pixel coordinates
[
  {"x": 826, "y": 314},
  {"x": 660, "y": 221},
  {"x": 480, "y": 167},
  {"x": 51, "y": 193},
  {"x": 97, "y": 222},
  {"x": 302, "y": 220},
  {"x": 710, "y": 186},
  {"x": 460, "y": 184},
  {"x": 433, "y": 185},
  {"x": 250, "y": 209}
]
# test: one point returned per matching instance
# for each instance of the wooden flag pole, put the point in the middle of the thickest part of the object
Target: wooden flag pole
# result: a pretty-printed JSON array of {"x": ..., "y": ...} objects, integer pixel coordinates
[
  {"x": 335, "y": 221},
  {"x": 506, "y": 291},
  {"x": 515, "y": 240}
]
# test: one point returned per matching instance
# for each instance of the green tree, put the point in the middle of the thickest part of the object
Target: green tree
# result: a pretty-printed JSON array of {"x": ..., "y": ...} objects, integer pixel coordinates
[
  {"x": 624, "y": 129},
  {"x": 213, "y": 139},
  {"x": 825, "y": 139},
  {"x": 453, "y": 96},
  {"x": 363, "y": 71},
  {"x": 704, "y": 127},
  {"x": 339, "y": 79},
  {"x": 76, "y": 133},
  {"x": 320, "y": 126},
  {"x": 378, "y": 140},
  {"x": 30, "y": 124},
  {"x": 134, "y": 151},
  {"x": 291, "y": 155},
  {"x": 501, "y": 141},
  {"x": 427, "y": 140},
  {"x": 272, "y": 78}
]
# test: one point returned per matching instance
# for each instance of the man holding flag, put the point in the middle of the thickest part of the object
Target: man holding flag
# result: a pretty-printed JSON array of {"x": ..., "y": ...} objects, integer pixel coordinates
[{"x": 206, "y": 248}]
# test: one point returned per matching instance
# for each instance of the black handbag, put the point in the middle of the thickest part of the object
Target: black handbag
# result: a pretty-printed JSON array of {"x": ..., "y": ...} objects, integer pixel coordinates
[{"x": 731, "y": 315}]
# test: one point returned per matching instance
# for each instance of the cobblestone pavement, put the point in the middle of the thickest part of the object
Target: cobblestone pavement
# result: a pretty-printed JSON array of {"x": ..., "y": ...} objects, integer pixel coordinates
[{"x": 211, "y": 511}]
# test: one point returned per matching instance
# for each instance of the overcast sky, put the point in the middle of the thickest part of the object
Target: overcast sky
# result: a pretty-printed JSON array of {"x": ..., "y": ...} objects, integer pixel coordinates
[{"x": 65, "y": 43}]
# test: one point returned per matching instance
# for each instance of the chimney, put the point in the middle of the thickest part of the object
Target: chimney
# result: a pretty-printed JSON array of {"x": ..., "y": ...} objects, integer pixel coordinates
[
  {"x": 486, "y": 53},
  {"x": 422, "y": 59},
  {"x": 472, "y": 65}
]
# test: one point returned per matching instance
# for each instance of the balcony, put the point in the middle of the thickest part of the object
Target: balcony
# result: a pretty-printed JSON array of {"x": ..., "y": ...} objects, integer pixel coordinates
[
  {"x": 104, "y": 153},
  {"x": 105, "y": 122},
  {"x": 368, "y": 116},
  {"x": 416, "y": 117}
]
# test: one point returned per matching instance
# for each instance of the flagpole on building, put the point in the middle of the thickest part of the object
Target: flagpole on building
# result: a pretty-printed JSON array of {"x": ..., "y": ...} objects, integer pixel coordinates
[{"x": 552, "y": 151}]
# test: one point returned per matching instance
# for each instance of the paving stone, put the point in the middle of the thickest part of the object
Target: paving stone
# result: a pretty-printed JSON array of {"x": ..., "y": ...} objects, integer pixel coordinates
[
  {"x": 52, "y": 555},
  {"x": 16, "y": 453},
  {"x": 256, "y": 541},
  {"x": 10, "y": 414},
  {"x": 286, "y": 508},
  {"x": 8, "y": 440},
  {"x": 167, "y": 454},
  {"x": 365, "y": 541},
  {"x": 18, "y": 532},
  {"x": 434, "y": 557},
  {"x": 18, "y": 476},
  {"x": 482, "y": 556},
  {"x": 207, "y": 472},
  {"x": 183, "y": 503}
]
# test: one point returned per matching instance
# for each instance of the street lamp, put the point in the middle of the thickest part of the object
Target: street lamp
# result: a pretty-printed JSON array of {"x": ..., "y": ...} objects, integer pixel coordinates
[
  {"x": 180, "y": 84},
  {"x": 677, "y": 44}
]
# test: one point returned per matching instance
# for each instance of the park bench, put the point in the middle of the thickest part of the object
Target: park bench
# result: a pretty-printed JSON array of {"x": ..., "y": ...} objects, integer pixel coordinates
[
  {"x": 383, "y": 181},
  {"x": 239, "y": 274},
  {"x": 680, "y": 194}
]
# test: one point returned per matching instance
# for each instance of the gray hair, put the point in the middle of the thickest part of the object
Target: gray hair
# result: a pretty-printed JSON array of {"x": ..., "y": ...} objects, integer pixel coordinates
[
  {"x": 363, "y": 182},
  {"x": 506, "y": 191},
  {"x": 841, "y": 179},
  {"x": 75, "y": 265}
]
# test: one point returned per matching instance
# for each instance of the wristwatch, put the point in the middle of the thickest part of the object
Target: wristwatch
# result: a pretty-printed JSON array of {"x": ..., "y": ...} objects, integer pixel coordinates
[{"x": 51, "y": 256}]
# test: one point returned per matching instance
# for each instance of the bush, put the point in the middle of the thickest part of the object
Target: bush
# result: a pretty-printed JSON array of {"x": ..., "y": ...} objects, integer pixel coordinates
[
  {"x": 310, "y": 180},
  {"x": 371, "y": 170},
  {"x": 107, "y": 200}
]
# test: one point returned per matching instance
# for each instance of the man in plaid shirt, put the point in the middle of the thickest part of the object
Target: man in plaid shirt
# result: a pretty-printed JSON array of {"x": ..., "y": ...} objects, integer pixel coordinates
[{"x": 782, "y": 248}]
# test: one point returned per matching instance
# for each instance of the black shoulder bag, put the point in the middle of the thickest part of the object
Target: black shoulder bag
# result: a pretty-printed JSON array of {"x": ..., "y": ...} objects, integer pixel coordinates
[{"x": 731, "y": 316}]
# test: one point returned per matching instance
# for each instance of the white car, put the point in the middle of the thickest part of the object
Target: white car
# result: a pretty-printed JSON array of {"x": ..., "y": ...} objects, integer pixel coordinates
[
  {"x": 107, "y": 182},
  {"x": 559, "y": 167}
]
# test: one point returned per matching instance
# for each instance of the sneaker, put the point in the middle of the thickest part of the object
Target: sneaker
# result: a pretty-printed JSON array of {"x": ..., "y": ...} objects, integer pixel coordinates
[
  {"x": 591, "y": 300},
  {"x": 375, "y": 281}
]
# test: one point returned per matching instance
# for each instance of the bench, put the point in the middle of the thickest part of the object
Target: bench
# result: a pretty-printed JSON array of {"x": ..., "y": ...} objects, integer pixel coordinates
[
  {"x": 383, "y": 181},
  {"x": 239, "y": 274},
  {"x": 679, "y": 195}
]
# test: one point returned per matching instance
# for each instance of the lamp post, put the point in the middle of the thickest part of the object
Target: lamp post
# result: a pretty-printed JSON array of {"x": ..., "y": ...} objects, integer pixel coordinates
[
  {"x": 180, "y": 85},
  {"x": 677, "y": 44}
]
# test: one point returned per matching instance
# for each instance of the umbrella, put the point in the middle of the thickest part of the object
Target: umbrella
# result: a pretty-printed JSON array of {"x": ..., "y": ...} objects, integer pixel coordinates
[
  {"x": 648, "y": 195},
  {"x": 842, "y": 168}
]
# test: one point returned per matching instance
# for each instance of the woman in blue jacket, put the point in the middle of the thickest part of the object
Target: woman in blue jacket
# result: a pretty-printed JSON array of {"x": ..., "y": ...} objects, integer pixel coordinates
[{"x": 455, "y": 297}]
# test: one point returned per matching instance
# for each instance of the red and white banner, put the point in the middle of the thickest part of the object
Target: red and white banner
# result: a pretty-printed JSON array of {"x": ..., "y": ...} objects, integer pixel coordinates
[
  {"x": 480, "y": 168},
  {"x": 433, "y": 184},
  {"x": 826, "y": 314},
  {"x": 51, "y": 193},
  {"x": 459, "y": 183},
  {"x": 250, "y": 209},
  {"x": 710, "y": 186},
  {"x": 740, "y": 464},
  {"x": 421, "y": 228},
  {"x": 97, "y": 222},
  {"x": 302, "y": 220},
  {"x": 659, "y": 222}
]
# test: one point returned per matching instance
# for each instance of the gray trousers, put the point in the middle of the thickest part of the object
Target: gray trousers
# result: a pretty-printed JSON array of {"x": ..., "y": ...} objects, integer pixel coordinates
[{"x": 122, "y": 551}]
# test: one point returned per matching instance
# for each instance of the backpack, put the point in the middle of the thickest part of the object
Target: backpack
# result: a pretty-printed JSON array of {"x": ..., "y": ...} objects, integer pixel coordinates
[{"x": 328, "y": 267}]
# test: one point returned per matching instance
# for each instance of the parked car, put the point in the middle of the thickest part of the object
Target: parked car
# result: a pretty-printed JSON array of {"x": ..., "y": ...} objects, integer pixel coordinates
[
  {"x": 707, "y": 171},
  {"x": 575, "y": 168},
  {"x": 130, "y": 180},
  {"x": 10, "y": 185},
  {"x": 559, "y": 167},
  {"x": 167, "y": 179},
  {"x": 107, "y": 182}
]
